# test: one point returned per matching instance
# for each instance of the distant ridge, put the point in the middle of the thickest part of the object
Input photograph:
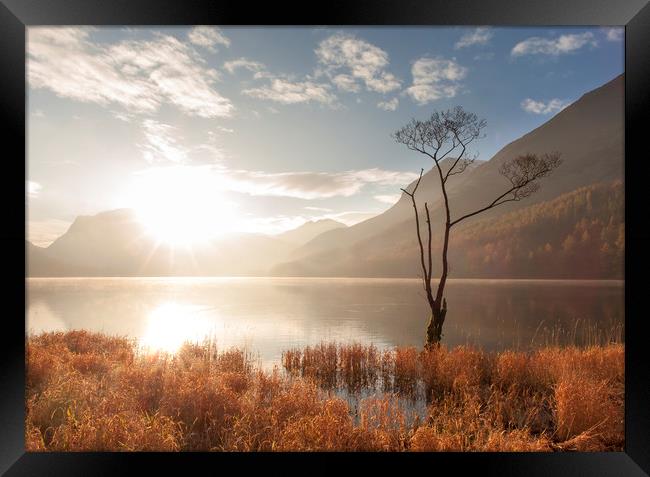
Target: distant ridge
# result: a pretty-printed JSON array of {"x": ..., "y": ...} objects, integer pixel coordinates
[
  {"x": 309, "y": 230},
  {"x": 588, "y": 133}
]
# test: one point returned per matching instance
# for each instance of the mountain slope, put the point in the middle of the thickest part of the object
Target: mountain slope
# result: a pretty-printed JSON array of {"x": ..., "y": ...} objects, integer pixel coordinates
[
  {"x": 580, "y": 234},
  {"x": 402, "y": 210},
  {"x": 589, "y": 135},
  {"x": 114, "y": 243},
  {"x": 309, "y": 230}
]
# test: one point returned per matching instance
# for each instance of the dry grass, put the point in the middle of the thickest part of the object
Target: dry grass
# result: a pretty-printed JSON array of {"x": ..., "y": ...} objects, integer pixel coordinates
[{"x": 90, "y": 392}]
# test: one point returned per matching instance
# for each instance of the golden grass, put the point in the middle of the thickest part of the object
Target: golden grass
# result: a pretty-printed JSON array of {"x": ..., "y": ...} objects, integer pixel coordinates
[{"x": 91, "y": 392}]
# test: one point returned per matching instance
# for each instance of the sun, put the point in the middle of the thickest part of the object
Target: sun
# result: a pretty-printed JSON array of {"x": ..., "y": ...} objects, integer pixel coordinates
[{"x": 182, "y": 206}]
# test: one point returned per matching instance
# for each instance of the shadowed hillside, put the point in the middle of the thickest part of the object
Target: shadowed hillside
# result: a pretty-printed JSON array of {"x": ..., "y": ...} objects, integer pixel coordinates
[
  {"x": 588, "y": 134},
  {"x": 577, "y": 235}
]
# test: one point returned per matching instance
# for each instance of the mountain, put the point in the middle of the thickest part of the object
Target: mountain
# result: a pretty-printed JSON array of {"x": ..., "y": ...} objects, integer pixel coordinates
[
  {"x": 580, "y": 234},
  {"x": 40, "y": 264},
  {"x": 309, "y": 230},
  {"x": 114, "y": 243},
  {"x": 572, "y": 227},
  {"x": 589, "y": 135},
  {"x": 401, "y": 211}
]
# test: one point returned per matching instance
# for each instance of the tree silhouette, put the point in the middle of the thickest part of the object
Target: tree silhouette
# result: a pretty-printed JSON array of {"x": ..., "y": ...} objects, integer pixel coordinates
[{"x": 451, "y": 132}]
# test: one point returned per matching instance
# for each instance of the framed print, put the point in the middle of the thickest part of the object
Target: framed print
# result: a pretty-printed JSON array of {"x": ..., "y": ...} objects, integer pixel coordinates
[{"x": 404, "y": 233}]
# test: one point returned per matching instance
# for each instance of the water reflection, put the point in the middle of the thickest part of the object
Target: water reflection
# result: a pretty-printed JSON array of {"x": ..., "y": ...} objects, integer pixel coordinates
[
  {"x": 268, "y": 315},
  {"x": 169, "y": 325}
]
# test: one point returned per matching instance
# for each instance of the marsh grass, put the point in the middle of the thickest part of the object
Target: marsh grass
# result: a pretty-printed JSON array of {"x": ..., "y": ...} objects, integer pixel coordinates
[{"x": 91, "y": 392}]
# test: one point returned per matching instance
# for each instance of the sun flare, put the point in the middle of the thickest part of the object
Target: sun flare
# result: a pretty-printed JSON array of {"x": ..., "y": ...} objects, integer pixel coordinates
[{"x": 182, "y": 206}]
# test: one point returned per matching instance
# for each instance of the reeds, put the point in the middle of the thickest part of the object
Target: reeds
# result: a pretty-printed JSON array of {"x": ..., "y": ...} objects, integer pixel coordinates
[{"x": 91, "y": 392}]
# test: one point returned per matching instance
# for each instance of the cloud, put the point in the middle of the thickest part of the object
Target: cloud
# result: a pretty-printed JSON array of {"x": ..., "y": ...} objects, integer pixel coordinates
[
  {"x": 540, "y": 107},
  {"x": 390, "y": 105},
  {"x": 127, "y": 118},
  {"x": 243, "y": 63},
  {"x": 614, "y": 34},
  {"x": 161, "y": 143},
  {"x": 348, "y": 61},
  {"x": 285, "y": 91},
  {"x": 208, "y": 37},
  {"x": 295, "y": 184},
  {"x": 33, "y": 189},
  {"x": 312, "y": 185},
  {"x": 137, "y": 75},
  {"x": 318, "y": 209},
  {"x": 346, "y": 83},
  {"x": 479, "y": 36},
  {"x": 164, "y": 143},
  {"x": 555, "y": 46},
  {"x": 388, "y": 198},
  {"x": 435, "y": 78}
]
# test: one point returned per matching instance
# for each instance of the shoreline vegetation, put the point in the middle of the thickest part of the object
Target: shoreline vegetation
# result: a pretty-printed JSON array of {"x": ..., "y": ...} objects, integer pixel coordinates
[{"x": 93, "y": 392}]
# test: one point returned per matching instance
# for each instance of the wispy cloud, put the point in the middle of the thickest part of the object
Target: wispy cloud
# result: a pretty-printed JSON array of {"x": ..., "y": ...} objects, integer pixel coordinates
[
  {"x": 33, "y": 189},
  {"x": 137, "y": 75},
  {"x": 208, "y": 37},
  {"x": 388, "y": 198},
  {"x": 478, "y": 36},
  {"x": 554, "y": 46},
  {"x": 390, "y": 105},
  {"x": 614, "y": 34},
  {"x": 435, "y": 78},
  {"x": 295, "y": 184},
  {"x": 282, "y": 90},
  {"x": 242, "y": 63},
  {"x": 349, "y": 61},
  {"x": 318, "y": 209},
  {"x": 541, "y": 107},
  {"x": 162, "y": 143},
  {"x": 312, "y": 185}
]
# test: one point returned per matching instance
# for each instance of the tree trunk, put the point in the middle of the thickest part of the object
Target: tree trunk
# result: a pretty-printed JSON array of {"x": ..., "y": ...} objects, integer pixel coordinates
[
  {"x": 439, "y": 305},
  {"x": 434, "y": 329}
]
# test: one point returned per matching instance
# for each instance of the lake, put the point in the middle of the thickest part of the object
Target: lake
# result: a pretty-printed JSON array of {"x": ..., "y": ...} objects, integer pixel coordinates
[{"x": 269, "y": 315}]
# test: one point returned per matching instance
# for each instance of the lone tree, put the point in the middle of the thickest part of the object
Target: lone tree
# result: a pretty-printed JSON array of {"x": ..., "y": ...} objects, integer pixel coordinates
[{"x": 448, "y": 133}]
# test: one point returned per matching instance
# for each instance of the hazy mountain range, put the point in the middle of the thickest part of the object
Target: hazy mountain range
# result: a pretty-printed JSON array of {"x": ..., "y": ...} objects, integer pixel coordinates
[{"x": 582, "y": 202}]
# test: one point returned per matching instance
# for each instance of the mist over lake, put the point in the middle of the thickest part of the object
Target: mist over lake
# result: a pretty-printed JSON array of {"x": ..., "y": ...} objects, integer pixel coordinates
[{"x": 269, "y": 315}]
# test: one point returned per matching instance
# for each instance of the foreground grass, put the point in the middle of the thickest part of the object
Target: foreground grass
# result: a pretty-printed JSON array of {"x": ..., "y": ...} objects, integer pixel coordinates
[{"x": 92, "y": 392}]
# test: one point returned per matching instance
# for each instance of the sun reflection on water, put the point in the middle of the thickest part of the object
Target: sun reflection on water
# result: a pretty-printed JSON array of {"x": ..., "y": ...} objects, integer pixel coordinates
[{"x": 171, "y": 324}]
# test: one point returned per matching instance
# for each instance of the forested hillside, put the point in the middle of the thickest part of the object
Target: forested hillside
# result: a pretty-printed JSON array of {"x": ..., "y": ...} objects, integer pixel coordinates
[{"x": 578, "y": 235}]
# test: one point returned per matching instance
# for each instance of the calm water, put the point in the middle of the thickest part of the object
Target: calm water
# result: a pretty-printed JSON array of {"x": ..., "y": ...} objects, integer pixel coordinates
[{"x": 268, "y": 315}]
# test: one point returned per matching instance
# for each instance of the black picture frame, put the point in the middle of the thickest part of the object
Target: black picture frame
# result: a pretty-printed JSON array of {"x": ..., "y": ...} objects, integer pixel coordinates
[{"x": 16, "y": 15}]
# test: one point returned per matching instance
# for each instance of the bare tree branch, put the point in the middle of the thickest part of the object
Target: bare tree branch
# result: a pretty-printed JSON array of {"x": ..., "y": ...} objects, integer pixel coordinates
[
  {"x": 523, "y": 173},
  {"x": 417, "y": 226},
  {"x": 426, "y": 208}
]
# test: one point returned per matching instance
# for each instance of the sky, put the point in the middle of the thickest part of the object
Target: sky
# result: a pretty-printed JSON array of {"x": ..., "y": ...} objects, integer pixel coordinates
[{"x": 261, "y": 129}]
